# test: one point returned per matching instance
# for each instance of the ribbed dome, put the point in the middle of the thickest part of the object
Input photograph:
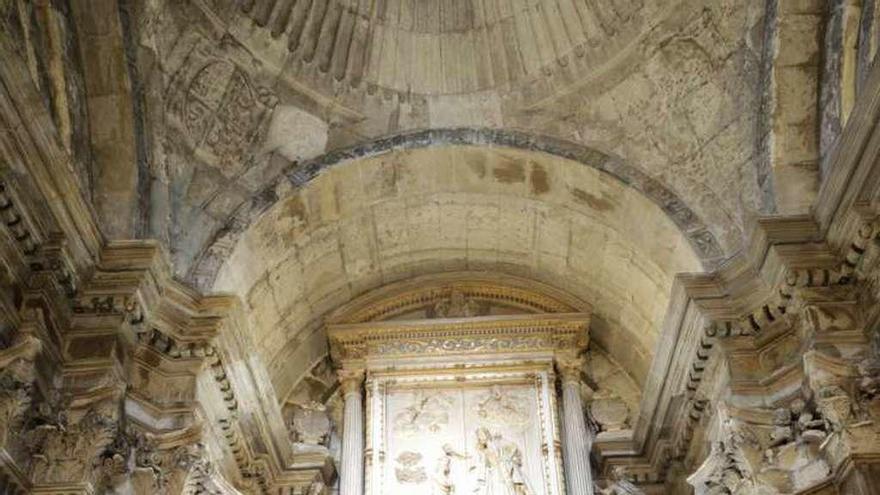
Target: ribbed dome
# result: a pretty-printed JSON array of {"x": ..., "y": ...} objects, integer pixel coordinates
[{"x": 448, "y": 46}]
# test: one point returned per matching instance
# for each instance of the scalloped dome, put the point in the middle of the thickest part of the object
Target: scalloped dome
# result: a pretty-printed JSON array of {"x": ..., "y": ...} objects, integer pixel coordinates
[{"x": 451, "y": 46}]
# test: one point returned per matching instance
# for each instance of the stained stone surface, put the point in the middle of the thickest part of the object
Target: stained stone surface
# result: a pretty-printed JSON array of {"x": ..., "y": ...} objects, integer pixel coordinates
[
  {"x": 301, "y": 154},
  {"x": 667, "y": 88},
  {"x": 370, "y": 222}
]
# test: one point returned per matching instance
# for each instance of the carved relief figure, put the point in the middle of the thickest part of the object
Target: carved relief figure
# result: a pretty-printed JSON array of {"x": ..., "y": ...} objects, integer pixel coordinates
[
  {"x": 444, "y": 478},
  {"x": 869, "y": 372},
  {"x": 809, "y": 427},
  {"x": 428, "y": 412},
  {"x": 458, "y": 305},
  {"x": 497, "y": 408},
  {"x": 782, "y": 432},
  {"x": 798, "y": 422},
  {"x": 500, "y": 470}
]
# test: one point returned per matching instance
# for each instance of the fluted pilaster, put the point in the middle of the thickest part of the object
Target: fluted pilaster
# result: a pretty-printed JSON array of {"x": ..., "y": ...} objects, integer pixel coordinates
[
  {"x": 352, "y": 469},
  {"x": 578, "y": 439}
]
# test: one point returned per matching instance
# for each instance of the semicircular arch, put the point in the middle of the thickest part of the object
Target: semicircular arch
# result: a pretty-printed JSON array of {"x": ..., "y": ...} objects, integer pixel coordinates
[
  {"x": 705, "y": 243},
  {"x": 409, "y": 212}
]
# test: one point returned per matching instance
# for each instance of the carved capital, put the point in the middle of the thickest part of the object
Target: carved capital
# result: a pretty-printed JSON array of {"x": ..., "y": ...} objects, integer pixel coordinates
[
  {"x": 164, "y": 462},
  {"x": 351, "y": 380},
  {"x": 69, "y": 451},
  {"x": 17, "y": 372},
  {"x": 25, "y": 348},
  {"x": 569, "y": 366}
]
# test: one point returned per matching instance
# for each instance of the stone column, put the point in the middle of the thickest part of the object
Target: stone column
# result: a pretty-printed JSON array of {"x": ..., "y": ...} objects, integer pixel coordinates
[
  {"x": 578, "y": 439},
  {"x": 352, "y": 469}
]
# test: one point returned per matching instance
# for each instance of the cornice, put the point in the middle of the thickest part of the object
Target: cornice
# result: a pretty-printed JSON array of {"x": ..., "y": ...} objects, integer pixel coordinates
[
  {"x": 43, "y": 158},
  {"x": 786, "y": 260},
  {"x": 458, "y": 336}
]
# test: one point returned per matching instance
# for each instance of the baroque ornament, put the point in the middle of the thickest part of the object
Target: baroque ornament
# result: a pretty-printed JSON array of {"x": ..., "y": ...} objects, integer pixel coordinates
[
  {"x": 17, "y": 374},
  {"x": 466, "y": 344},
  {"x": 68, "y": 452},
  {"x": 223, "y": 114}
]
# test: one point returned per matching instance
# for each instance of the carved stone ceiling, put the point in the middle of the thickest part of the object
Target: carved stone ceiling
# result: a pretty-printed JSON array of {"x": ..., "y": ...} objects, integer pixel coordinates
[
  {"x": 668, "y": 88},
  {"x": 454, "y": 46},
  {"x": 305, "y": 152},
  {"x": 366, "y": 223}
]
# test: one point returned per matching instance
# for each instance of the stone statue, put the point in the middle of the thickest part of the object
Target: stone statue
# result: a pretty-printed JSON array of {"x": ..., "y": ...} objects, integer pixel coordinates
[{"x": 500, "y": 470}]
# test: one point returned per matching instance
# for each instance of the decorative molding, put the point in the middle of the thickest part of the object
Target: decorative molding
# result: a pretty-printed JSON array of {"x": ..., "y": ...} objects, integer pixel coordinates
[
  {"x": 399, "y": 298},
  {"x": 455, "y": 337},
  {"x": 206, "y": 267}
]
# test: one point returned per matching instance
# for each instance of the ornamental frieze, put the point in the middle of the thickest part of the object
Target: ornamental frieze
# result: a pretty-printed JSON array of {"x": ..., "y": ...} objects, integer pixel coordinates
[
  {"x": 463, "y": 344},
  {"x": 517, "y": 334}
]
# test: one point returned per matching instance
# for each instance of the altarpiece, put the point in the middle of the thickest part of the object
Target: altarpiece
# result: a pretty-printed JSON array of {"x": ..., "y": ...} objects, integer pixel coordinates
[{"x": 458, "y": 405}]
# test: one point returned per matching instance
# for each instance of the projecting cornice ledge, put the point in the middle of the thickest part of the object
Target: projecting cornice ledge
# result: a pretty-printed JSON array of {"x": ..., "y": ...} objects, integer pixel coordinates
[{"x": 397, "y": 341}]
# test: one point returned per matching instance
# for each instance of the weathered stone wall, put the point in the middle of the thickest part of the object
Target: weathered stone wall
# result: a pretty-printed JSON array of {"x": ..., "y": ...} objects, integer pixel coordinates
[
  {"x": 274, "y": 162},
  {"x": 370, "y": 222},
  {"x": 636, "y": 96},
  {"x": 44, "y": 35}
]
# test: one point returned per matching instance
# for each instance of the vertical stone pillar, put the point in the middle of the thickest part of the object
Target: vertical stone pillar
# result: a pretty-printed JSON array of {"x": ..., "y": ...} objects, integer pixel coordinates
[
  {"x": 578, "y": 439},
  {"x": 352, "y": 469}
]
